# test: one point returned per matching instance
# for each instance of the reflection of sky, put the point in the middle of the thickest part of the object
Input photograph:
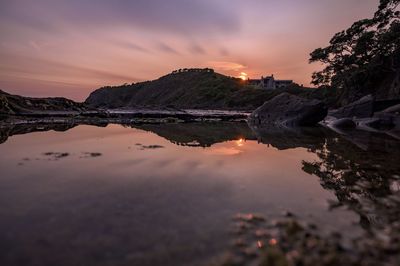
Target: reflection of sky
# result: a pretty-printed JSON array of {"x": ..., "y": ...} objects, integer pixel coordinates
[
  {"x": 145, "y": 202},
  {"x": 248, "y": 170},
  {"x": 68, "y": 48}
]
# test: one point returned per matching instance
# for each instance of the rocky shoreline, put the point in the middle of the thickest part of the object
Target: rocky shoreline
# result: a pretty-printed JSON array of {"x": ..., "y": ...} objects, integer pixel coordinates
[
  {"x": 283, "y": 111},
  {"x": 138, "y": 116},
  {"x": 368, "y": 114}
]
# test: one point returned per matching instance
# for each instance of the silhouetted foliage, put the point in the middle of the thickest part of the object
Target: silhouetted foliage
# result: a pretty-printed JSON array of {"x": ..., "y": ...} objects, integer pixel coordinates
[{"x": 358, "y": 60}]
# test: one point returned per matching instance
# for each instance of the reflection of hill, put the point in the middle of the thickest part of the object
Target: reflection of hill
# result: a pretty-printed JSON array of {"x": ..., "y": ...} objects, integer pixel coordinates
[
  {"x": 200, "y": 134},
  {"x": 186, "y": 134}
]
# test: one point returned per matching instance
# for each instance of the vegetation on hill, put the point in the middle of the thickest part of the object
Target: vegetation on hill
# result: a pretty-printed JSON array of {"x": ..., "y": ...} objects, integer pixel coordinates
[
  {"x": 187, "y": 89},
  {"x": 364, "y": 59}
]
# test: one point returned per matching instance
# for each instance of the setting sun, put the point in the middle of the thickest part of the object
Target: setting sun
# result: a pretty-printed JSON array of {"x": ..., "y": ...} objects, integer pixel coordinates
[
  {"x": 243, "y": 76},
  {"x": 240, "y": 142}
]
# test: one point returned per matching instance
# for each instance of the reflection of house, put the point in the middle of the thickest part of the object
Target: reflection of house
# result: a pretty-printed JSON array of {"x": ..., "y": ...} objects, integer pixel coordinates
[{"x": 270, "y": 83}]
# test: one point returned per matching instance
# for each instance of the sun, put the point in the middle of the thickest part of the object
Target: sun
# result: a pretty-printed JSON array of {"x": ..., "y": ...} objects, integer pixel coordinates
[
  {"x": 243, "y": 76},
  {"x": 240, "y": 142}
]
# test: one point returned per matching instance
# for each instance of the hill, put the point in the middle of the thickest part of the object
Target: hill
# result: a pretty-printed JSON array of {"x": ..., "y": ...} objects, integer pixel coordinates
[{"x": 187, "y": 89}]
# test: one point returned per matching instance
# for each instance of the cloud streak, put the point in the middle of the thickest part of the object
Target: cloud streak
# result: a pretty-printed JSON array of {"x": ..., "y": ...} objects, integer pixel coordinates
[{"x": 166, "y": 48}]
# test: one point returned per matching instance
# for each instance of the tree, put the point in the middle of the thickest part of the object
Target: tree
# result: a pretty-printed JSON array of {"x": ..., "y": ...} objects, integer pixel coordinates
[{"x": 354, "y": 55}]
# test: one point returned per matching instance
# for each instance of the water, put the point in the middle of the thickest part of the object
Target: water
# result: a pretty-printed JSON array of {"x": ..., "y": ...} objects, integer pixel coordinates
[{"x": 166, "y": 194}]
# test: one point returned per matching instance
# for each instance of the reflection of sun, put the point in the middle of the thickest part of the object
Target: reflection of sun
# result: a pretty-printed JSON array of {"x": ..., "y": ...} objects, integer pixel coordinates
[
  {"x": 240, "y": 142},
  {"x": 243, "y": 76}
]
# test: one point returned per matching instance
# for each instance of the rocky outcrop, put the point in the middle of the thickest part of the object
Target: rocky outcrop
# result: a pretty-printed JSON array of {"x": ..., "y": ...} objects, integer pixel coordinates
[
  {"x": 362, "y": 108},
  {"x": 289, "y": 110},
  {"x": 18, "y": 105}
]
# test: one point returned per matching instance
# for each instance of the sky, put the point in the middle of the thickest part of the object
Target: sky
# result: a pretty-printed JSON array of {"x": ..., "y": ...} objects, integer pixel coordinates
[{"x": 71, "y": 47}]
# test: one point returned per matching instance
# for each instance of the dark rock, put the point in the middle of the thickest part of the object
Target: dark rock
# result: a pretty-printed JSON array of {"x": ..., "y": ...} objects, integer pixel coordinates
[
  {"x": 362, "y": 108},
  {"x": 395, "y": 109},
  {"x": 343, "y": 123},
  {"x": 289, "y": 110}
]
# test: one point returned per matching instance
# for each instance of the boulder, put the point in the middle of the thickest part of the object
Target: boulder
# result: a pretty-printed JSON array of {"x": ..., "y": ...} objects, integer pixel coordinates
[
  {"x": 289, "y": 110},
  {"x": 362, "y": 108}
]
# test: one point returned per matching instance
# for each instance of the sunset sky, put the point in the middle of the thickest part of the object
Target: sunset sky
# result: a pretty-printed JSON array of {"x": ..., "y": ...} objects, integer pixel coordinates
[{"x": 71, "y": 47}]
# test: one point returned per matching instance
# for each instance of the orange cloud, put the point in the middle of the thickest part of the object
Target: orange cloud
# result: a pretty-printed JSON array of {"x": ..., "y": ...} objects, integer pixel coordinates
[{"x": 226, "y": 66}]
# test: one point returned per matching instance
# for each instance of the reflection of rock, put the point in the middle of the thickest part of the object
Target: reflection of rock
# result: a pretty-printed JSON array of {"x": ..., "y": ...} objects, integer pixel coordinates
[
  {"x": 200, "y": 134},
  {"x": 289, "y": 138},
  {"x": 6, "y": 132},
  {"x": 289, "y": 110}
]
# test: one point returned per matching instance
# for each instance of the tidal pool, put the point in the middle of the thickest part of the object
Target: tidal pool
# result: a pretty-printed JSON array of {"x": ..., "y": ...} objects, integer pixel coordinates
[{"x": 166, "y": 194}]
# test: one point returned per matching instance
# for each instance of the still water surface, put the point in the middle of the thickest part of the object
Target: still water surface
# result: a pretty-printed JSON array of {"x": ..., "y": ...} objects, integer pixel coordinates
[{"x": 166, "y": 194}]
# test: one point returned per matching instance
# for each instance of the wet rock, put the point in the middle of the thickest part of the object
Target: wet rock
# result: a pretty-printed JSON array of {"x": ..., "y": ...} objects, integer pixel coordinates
[
  {"x": 295, "y": 242},
  {"x": 261, "y": 233},
  {"x": 289, "y": 110},
  {"x": 151, "y": 147},
  {"x": 249, "y": 253},
  {"x": 362, "y": 108},
  {"x": 56, "y": 155},
  {"x": 91, "y": 154},
  {"x": 288, "y": 214},
  {"x": 250, "y": 218},
  {"x": 240, "y": 243}
]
